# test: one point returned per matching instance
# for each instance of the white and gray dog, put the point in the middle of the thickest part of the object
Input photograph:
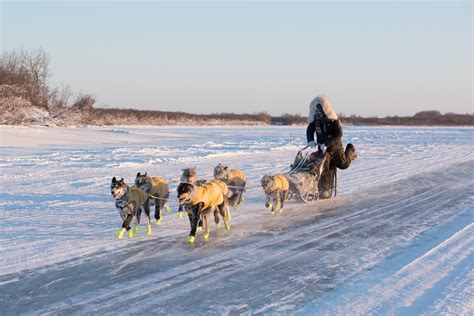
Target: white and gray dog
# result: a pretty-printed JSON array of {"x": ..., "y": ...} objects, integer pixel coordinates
[
  {"x": 276, "y": 188},
  {"x": 235, "y": 179}
]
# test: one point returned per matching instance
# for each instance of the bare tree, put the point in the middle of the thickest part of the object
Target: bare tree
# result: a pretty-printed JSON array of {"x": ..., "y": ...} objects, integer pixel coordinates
[
  {"x": 84, "y": 102},
  {"x": 59, "y": 97},
  {"x": 38, "y": 64},
  {"x": 28, "y": 70}
]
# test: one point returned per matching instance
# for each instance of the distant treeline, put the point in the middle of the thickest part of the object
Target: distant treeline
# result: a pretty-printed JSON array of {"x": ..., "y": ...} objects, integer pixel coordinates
[
  {"x": 101, "y": 116},
  {"x": 27, "y": 98},
  {"x": 420, "y": 118}
]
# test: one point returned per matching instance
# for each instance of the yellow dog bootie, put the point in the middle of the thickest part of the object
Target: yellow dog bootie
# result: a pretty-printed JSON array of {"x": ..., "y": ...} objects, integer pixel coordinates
[{"x": 121, "y": 232}]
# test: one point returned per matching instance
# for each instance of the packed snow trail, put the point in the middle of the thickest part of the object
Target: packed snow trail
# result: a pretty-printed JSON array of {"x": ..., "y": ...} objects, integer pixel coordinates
[
  {"x": 405, "y": 236},
  {"x": 289, "y": 260}
]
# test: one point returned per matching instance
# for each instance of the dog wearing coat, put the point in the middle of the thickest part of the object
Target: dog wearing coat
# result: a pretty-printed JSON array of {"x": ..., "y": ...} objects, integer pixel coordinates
[
  {"x": 130, "y": 202},
  {"x": 202, "y": 200},
  {"x": 235, "y": 179},
  {"x": 276, "y": 188},
  {"x": 157, "y": 191},
  {"x": 189, "y": 175}
]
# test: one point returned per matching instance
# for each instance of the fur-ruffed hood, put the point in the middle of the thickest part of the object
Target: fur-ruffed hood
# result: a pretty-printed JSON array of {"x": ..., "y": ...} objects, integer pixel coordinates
[{"x": 327, "y": 108}]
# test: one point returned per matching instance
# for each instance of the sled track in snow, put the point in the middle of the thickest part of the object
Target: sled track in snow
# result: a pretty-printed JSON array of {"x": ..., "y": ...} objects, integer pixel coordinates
[{"x": 285, "y": 263}]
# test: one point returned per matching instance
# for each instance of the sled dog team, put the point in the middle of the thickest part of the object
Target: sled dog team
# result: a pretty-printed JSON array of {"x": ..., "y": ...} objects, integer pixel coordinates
[{"x": 200, "y": 199}]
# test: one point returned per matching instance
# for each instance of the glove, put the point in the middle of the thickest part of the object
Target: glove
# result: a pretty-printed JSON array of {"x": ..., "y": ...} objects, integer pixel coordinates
[
  {"x": 322, "y": 147},
  {"x": 312, "y": 144}
]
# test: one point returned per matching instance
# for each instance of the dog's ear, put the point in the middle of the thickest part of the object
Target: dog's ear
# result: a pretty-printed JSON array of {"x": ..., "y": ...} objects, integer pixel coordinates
[
  {"x": 225, "y": 168},
  {"x": 138, "y": 174},
  {"x": 121, "y": 180},
  {"x": 146, "y": 172},
  {"x": 114, "y": 180}
]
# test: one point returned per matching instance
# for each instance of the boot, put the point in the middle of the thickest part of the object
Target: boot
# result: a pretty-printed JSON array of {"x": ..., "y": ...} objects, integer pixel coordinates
[
  {"x": 326, "y": 183},
  {"x": 351, "y": 152}
]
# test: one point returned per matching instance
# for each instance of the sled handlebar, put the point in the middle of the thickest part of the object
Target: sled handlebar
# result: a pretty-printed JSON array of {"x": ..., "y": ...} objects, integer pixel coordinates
[{"x": 303, "y": 148}]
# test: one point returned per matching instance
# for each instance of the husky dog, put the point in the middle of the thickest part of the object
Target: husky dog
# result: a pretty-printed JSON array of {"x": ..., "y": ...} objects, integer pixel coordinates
[
  {"x": 235, "y": 179},
  {"x": 202, "y": 199},
  {"x": 157, "y": 191},
  {"x": 130, "y": 202},
  {"x": 276, "y": 189},
  {"x": 189, "y": 175}
]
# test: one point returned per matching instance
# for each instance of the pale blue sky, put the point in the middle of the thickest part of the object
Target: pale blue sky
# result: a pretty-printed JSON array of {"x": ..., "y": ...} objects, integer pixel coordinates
[{"x": 370, "y": 58}]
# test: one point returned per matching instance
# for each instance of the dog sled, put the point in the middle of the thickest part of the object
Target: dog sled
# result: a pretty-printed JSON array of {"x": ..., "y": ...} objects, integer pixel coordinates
[{"x": 311, "y": 176}]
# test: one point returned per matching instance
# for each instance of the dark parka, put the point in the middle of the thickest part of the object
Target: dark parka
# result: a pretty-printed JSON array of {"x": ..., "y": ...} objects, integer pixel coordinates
[{"x": 328, "y": 132}]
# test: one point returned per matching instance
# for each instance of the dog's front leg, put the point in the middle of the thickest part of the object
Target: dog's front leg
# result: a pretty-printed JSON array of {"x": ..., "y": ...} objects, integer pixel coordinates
[
  {"x": 158, "y": 214},
  {"x": 194, "y": 216},
  {"x": 228, "y": 216},
  {"x": 216, "y": 218},
  {"x": 123, "y": 216},
  {"x": 276, "y": 202},
  {"x": 200, "y": 223},
  {"x": 268, "y": 201},
  {"x": 146, "y": 206},
  {"x": 126, "y": 226},
  {"x": 181, "y": 210},
  {"x": 240, "y": 194},
  {"x": 138, "y": 214},
  {"x": 207, "y": 218},
  {"x": 224, "y": 211},
  {"x": 282, "y": 199},
  {"x": 164, "y": 205}
]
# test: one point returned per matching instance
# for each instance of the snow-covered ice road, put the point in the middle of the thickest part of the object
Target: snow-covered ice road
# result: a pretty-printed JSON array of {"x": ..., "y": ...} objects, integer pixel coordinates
[{"x": 398, "y": 239}]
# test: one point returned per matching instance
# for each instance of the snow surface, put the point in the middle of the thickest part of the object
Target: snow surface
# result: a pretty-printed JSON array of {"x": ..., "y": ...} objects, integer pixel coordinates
[{"x": 398, "y": 239}]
